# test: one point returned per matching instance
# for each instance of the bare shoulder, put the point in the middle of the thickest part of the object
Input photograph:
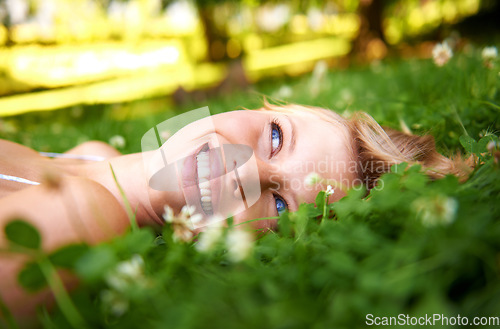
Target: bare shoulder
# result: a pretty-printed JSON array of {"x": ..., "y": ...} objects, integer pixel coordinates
[
  {"x": 96, "y": 148},
  {"x": 73, "y": 209},
  {"x": 13, "y": 149}
]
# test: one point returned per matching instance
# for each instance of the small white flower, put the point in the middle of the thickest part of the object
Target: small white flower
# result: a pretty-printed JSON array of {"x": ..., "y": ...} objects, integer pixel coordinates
[
  {"x": 346, "y": 95},
  {"x": 117, "y": 141},
  {"x": 441, "y": 53},
  {"x": 439, "y": 210},
  {"x": 285, "y": 92},
  {"x": 318, "y": 75},
  {"x": 312, "y": 179},
  {"x": 320, "y": 70},
  {"x": 196, "y": 218},
  {"x": 127, "y": 273},
  {"x": 211, "y": 235},
  {"x": 489, "y": 53},
  {"x": 183, "y": 235},
  {"x": 239, "y": 244},
  {"x": 168, "y": 216},
  {"x": 184, "y": 223},
  {"x": 491, "y": 146},
  {"x": 187, "y": 213},
  {"x": 329, "y": 190},
  {"x": 115, "y": 301},
  {"x": 132, "y": 268},
  {"x": 187, "y": 210}
]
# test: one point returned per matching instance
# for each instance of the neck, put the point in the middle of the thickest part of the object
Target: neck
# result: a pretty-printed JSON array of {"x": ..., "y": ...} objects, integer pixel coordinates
[{"x": 146, "y": 203}]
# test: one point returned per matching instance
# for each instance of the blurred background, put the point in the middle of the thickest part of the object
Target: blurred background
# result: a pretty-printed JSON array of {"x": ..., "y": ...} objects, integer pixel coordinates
[{"x": 57, "y": 54}]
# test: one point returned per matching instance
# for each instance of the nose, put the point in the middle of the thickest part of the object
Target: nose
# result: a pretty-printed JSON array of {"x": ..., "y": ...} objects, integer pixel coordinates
[
  {"x": 251, "y": 175},
  {"x": 242, "y": 168}
]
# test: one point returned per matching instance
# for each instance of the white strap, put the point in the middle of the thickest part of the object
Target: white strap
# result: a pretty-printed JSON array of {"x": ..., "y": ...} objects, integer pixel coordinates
[
  {"x": 18, "y": 179},
  {"x": 72, "y": 156}
]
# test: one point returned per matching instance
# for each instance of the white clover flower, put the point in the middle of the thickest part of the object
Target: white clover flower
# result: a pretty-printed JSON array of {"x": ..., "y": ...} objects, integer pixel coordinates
[
  {"x": 115, "y": 302},
  {"x": 489, "y": 53},
  {"x": 127, "y": 273},
  {"x": 209, "y": 238},
  {"x": 189, "y": 216},
  {"x": 168, "y": 215},
  {"x": 329, "y": 190},
  {"x": 182, "y": 224},
  {"x": 318, "y": 75},
  {"x": 239, "y": 244},
  {"x": 312, "y": 179},
  {"x": 132, "y": 268},
  {"x": 441, "y": 53},
  {"x": 436, "y": 211},
  {"x": 320, "y": 70},
  {"x": 284, "y": 92},
  {"x": 491, "y": 146},
  {"x": 117, "y": 141},
  {"x": 346, "y": 96}
]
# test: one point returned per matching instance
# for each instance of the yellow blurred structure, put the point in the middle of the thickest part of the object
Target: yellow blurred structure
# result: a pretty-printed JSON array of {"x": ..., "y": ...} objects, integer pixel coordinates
[
  {"x": 293, "y": 58},
  {"x": 116, "y": 90},
  {"x": 57, "y": 66},
  {"x": 411, "y": 18},
  {"x": 62, "y": 53}
]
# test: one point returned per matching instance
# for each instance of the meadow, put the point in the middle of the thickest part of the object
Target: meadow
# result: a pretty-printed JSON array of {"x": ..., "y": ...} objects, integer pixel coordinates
[{"x": 414, "y": 247}]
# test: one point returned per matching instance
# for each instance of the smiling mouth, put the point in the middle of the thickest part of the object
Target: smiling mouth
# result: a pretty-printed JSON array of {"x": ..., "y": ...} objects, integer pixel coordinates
[{"x": 203, "y": 178}]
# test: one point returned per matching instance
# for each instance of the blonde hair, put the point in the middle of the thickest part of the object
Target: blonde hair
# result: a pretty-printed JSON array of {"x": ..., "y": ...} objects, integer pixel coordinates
[{"x": 375, "y": 148}]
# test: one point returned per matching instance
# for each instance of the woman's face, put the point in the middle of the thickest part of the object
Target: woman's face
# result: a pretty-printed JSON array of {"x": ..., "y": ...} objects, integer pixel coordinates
[{"x": 286, "y": 148}]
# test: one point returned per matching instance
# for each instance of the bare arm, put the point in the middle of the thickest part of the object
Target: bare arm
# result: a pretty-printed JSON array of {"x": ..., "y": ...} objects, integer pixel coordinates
[{"x": 75, "y": 210}]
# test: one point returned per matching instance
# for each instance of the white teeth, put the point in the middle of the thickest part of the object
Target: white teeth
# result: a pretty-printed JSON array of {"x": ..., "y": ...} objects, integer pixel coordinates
[
  {"x": 203, "y": 163},
  {"x": 203, "y": 171},
  {"x": 205, "y": 185}
]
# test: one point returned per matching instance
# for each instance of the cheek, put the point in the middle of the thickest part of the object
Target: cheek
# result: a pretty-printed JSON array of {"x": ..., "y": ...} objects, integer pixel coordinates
[
  {"x": 259, "y": 210},
  {"x": 266, "y": 225}
]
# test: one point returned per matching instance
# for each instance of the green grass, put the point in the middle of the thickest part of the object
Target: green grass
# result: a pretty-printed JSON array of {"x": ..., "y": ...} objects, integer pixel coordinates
[
  {"x": 427, "y": 98},
  {"x": 414, "y": 247}
]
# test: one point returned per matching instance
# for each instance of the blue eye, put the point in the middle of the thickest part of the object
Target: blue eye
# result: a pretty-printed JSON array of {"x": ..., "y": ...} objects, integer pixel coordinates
[
  {"x": 281, "y": 205},
  {"x": 276, "y": 138}
]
